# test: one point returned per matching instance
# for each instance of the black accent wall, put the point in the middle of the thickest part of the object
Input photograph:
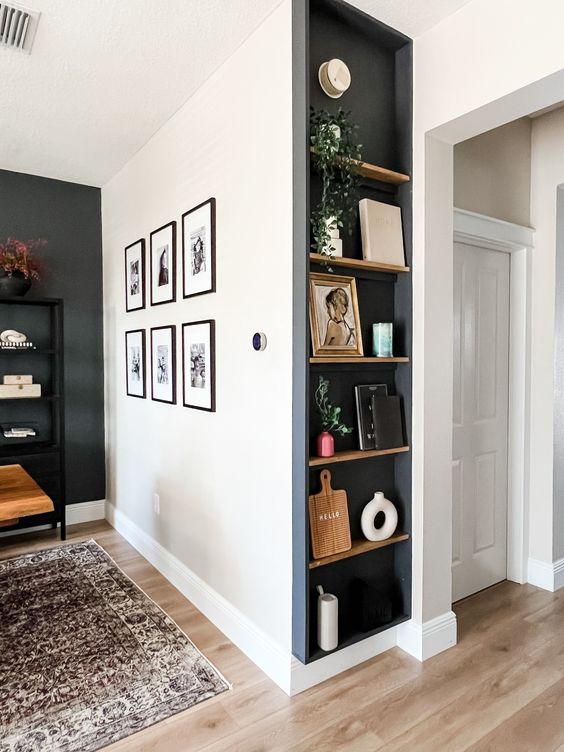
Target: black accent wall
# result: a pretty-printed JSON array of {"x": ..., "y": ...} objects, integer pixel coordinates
[{"x": 68, "y": 217}]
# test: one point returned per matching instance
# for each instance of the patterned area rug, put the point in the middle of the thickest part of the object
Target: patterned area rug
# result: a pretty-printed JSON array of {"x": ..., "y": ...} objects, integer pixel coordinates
[{"x": 86, "y": 658}]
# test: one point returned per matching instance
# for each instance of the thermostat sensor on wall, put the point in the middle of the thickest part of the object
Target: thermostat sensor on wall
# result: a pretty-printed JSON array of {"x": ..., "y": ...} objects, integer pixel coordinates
[
  {"x": 259, "y": 341},
  {"x": 334, "y": 77}
]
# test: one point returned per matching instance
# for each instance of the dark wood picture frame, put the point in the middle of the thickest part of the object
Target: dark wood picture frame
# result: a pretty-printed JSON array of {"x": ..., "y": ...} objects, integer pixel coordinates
[
  {"x": 144, "y": 364},
  {"x": 154, "y": 329},
  {"x": 141, "y": 275},
  {"x": 186, "y": 250},
  {"x": 211, "y": 324},
  {"x": 172, "y": 265}
]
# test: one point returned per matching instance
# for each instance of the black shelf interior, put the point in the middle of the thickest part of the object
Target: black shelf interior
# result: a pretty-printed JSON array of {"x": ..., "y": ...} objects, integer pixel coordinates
[
  {"x": 379, "y": 101},
  {"x": 42, "y": 456}
]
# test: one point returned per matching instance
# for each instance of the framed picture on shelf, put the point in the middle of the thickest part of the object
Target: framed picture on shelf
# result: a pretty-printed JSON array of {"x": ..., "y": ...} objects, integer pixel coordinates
[
  {"x": 163, "y": 264},
  {"x": 135, "y": 363},
  {"x": 198, "y": 249},
  {"x": 334, "y": 317},
  {"x": 135, "y": 276},
  {"x": 163, "y": 364},
  {"x": 198, "y": 364}
]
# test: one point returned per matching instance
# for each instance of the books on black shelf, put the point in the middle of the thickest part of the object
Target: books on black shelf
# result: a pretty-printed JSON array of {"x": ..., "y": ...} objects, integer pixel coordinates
[
  {"x": 18, "y": 431},
  {"x": 388, "y": 429},
  {"x": 363, "y": 394}
]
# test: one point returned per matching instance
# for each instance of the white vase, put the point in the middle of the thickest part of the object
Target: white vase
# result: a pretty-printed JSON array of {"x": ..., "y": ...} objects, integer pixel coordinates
[
  {"x": 327, "y": 620},
  {"x": 379, "y": 504}
]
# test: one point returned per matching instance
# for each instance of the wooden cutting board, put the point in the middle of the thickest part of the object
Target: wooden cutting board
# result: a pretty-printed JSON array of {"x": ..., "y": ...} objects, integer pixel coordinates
[{"x": 329, "y": 520}]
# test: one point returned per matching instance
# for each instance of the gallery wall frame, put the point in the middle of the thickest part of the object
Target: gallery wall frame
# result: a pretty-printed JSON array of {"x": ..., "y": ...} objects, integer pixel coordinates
[
  {"x": 135, "y": 363},
  {"x": 162, "y": 262},
  {"x": 198, "y": 365},
  {"x": 135, "y": 276},
  {"x": 198, "y": 249},
  {"x": 163, "y": 364}
]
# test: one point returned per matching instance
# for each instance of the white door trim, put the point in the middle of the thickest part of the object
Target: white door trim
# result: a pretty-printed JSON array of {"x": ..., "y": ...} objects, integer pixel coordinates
[{"x": 497, "y": 235}]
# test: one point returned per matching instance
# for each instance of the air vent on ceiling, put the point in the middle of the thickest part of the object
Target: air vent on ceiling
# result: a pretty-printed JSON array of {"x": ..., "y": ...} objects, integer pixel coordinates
[{"x": 17, "y": 26}]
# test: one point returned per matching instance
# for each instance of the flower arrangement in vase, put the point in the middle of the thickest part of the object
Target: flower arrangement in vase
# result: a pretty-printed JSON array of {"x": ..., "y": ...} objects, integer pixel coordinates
[
  {"x": 18, "y": 267},
  {"x": 330, "y": 419}
]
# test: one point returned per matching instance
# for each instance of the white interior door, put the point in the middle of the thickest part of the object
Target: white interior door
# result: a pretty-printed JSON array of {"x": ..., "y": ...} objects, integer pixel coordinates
[{"x": 480, "y": 430}]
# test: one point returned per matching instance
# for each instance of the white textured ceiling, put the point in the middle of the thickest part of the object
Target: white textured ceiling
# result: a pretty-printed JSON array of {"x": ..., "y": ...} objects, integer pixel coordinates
[
  {"x": 104, "y": 75},
  {"x": 412, "y": 17}
]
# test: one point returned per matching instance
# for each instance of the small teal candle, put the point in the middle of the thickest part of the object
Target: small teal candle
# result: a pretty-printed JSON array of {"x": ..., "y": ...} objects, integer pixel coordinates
[{"x": 382, "y": 340}]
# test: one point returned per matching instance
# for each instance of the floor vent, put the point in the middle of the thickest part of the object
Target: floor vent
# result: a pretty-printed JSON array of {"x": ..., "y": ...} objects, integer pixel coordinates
[{"x": 17, "y": 26}]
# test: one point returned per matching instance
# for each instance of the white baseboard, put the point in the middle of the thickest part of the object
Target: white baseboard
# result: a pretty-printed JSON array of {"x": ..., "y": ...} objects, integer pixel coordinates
[
  {"x": 423, "y": 641},
  {"x": 86, "y": 511},
  {"x": 308, "y": 675},
  {"x": 546, "y": 576},
  {"x": 258, "y": 646}
]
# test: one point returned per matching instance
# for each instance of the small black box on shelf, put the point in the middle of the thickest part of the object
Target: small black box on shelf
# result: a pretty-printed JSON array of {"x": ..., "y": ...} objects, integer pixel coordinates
[{"x": 388, "y": 429}]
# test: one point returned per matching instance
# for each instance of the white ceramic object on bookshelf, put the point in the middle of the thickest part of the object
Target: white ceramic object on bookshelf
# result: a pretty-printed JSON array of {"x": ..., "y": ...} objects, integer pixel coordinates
[
  {"x": 327, "y": 620},
  {"x": 379, "y": 504}
]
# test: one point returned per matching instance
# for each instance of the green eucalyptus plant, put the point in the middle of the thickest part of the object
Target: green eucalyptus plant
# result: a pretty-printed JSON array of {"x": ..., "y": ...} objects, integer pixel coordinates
[
  {"x": 335, "y": 155},
  {"x": 329, "y": 414}
]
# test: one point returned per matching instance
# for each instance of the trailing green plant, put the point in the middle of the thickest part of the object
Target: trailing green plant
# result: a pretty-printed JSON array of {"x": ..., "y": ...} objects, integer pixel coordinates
[
  {"x": 335, "y": 155},
  {"x": 330, "y": 415}
]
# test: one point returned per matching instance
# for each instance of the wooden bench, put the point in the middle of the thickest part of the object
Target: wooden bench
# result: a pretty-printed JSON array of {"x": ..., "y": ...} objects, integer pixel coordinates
[{"x": 20, "y": 496}]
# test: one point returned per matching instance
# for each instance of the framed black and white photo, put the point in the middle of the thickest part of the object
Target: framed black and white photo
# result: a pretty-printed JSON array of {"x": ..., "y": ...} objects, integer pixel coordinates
[
  {"x": 163, "y": 364},
  {"x": 163, "y": 264},
  {"x": 198, "y": 249},
  {"x": 198, "y": 364},
  {"x": 135, "y": 363},
  {"x": 135, "y": 276}
]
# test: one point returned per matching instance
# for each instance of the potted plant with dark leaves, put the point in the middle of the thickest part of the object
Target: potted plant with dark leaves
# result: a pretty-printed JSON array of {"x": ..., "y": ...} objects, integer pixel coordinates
[
  {"x": 18, "y": 266},
  {"x": 330, "y": 419},
  {"x": 336, "y": 157}
]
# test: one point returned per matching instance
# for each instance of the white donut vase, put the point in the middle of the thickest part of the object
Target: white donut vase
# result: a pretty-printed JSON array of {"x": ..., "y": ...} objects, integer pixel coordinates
[
  {"x": 10, "y": 335},
  {"x": 379, "y": 504}
]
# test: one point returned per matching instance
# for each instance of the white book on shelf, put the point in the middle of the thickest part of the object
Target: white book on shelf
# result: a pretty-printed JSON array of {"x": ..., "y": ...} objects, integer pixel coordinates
[{"x": 382, "y": 233}]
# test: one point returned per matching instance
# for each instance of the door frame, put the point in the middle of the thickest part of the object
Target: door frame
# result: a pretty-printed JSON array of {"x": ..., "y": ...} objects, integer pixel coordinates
[{"x": 497, "y": 235}]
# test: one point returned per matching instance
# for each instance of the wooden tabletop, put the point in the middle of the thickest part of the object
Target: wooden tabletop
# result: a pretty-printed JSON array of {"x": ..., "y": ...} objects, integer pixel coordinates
[{"x": 20, "y": 496}]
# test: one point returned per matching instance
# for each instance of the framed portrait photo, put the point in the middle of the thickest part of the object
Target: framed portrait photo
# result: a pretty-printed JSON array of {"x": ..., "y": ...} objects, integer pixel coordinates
[
  {"x": 163, "y": 364},
  {"x": 135, "y": 276},
  {"x": 198, "y": 365},
  {"x": 135, "y": 363},
  {"x": 163, "y": 264},
  {"x": 198, "y": 249},
  {"x": 333, "y": 315}
]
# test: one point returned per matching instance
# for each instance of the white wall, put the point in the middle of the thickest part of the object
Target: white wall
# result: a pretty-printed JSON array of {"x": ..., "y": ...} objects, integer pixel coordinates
[
  {"x": 224, "y": 479},
  {"x": 482, "y": 67},
  {"x": 492, "y": 173},
  {"x": 547, "y": 174}
]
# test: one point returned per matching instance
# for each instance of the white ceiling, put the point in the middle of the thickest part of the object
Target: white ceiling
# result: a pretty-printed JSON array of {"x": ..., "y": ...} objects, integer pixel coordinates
[
  {"x": 412, "y": 17},
  {"x": 104, "y": 75}
]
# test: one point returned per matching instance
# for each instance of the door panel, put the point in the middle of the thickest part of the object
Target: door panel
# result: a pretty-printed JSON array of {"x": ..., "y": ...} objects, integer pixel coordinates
[{"x": 480, "y": 421}]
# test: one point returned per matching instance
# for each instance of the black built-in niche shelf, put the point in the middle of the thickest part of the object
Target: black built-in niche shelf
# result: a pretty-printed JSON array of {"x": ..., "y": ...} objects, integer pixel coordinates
[
  {"x": 380, "y": 102},
  {"x": 43, "y": 455}
]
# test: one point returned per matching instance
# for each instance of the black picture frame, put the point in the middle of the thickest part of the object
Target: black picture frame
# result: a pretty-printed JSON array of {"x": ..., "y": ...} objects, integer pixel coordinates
[
  {"x": 210, "y": 367},
  {"x": 186, "y": 293},
  {"x": 154, "y": 329},
  {"x": 143, "y": 371},
  {"x": 172, "y": 265},
  {"x": 128, "y": 253}
]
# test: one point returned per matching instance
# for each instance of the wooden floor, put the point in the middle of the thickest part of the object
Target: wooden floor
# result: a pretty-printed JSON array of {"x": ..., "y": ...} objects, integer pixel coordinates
[{"x": 501, "y": 688}]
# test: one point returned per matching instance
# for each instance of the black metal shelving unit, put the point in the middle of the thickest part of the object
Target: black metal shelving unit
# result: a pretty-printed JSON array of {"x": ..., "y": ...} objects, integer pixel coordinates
[{"x": 42, "y": 456}]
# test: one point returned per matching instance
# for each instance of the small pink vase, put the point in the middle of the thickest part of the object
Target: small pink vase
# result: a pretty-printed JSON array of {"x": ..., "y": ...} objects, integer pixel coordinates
[{"x": 325, "y": 445}]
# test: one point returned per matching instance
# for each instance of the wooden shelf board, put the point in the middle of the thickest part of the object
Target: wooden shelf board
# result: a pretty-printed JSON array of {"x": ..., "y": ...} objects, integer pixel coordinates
[
  {"x": 355, "y": 455},
  {"x": 360, "y": 361},
  {"x": 358, "y": 547},
  {"x": 353, "y": 263},
  {"x": 382, "y": 174}
]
